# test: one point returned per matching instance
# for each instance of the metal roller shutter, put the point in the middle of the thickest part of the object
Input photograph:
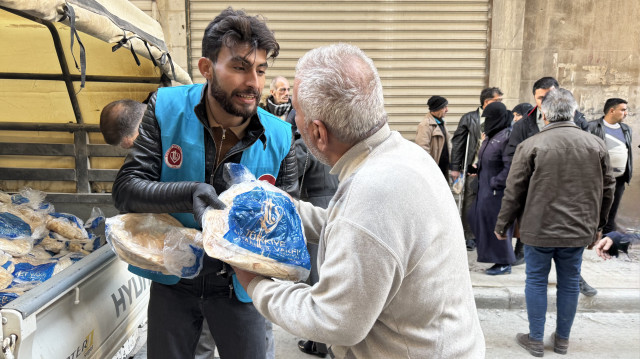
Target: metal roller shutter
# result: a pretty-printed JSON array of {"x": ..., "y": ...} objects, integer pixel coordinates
[
  {"x": 421, "y": 48},
  {"x": 144, "y": 5}
]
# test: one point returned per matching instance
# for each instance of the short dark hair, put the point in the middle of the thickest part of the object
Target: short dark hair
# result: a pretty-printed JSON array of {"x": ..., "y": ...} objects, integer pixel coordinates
[
  {"x": 489, "y": 92},
  {"x": 545, "y": 83},
  {"x": 120, "y": 119},
  {"x": 233, "y": 27},
  {"x": 611, "y": 103}
]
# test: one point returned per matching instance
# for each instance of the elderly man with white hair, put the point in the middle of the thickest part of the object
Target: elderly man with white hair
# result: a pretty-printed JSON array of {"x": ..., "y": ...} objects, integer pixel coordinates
[
  {"x": 558, "y": 215},
  {"x": 394, "y": 280}
]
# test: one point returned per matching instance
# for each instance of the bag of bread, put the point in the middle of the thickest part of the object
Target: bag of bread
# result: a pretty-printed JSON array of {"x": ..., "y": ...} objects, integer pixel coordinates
[
  {"x": 156, "y": 242},
  {"x": 15, "y": 233},
  {"x": 259, "y": 231}
]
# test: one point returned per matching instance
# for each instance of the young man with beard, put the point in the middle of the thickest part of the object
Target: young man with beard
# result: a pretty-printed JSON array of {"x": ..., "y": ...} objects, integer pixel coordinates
[
  {"x": 279, "y": 102},
  {"x": 390, "y": 285},
  {"x": 617, "y": 136},
  {"x": 187, "y": 134}
]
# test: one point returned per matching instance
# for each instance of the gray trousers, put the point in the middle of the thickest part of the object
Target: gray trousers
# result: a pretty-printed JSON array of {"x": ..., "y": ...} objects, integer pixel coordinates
[
  {"x": 176, "y": 314},
  {"x": 207, "y": 347}
]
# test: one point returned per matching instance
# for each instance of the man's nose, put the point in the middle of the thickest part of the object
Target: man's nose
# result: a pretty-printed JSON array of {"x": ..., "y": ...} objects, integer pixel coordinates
[{"x": 251, "y": 79}]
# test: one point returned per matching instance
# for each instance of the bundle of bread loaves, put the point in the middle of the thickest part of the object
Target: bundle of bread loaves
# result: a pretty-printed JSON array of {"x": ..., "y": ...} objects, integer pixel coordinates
[
  {"x": 36, "y": 242},
  {"x": 259, "y": 231},
  {"x": 156, "y": 242}
]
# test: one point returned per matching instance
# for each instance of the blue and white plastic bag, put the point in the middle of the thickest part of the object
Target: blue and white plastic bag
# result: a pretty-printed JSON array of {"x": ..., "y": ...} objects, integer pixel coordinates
[{"x": 259, "y": 231}]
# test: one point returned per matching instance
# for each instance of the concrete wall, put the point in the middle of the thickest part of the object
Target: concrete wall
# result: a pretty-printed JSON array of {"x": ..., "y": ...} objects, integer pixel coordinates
[{"x": 592, "y": 47}]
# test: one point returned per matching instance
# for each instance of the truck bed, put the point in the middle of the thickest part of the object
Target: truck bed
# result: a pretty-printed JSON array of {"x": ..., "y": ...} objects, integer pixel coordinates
[{"x": 86, "y": 311}]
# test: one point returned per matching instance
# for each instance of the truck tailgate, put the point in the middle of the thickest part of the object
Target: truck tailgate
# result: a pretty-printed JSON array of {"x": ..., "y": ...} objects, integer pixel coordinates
[{"x": 86, "y": 311}]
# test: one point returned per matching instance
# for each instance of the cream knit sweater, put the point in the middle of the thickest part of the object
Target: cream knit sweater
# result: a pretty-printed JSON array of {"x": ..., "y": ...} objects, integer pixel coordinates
[{"x": 394, "y": 280}]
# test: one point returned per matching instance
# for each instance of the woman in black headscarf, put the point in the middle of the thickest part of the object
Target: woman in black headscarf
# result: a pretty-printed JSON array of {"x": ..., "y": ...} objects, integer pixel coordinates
[
  {"x": 521, "y": 110},
  {"x": 493, "y": 169}
]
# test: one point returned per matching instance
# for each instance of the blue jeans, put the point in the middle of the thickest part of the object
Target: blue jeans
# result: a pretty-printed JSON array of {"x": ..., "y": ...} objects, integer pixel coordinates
[{"x": 568, "y": 261}]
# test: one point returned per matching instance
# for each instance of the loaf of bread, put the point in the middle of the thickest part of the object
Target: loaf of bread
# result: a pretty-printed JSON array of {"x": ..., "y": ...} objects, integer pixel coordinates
[
  {"x": 65, "y": 228},
  {"x": 5, "y": 278},
  {"x": 267, "y": 237},
  {"x": 139, "y": 238},
  {"x": 16, "y": 247}
]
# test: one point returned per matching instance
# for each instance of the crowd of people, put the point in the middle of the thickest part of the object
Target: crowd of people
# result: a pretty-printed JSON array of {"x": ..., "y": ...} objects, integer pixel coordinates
[
  {"x": 375, "y": 289},
  {"x": 519, "y": 170}
]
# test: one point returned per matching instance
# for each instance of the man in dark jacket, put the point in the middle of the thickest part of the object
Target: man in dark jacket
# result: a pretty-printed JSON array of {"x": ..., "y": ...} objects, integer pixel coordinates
[
  {"x": 531, "y": 124},
  {"x": 617, "y": 136},
  {"x": 541, "y": 193},
  {"x": 187, "y": 134},
  {"x": 119, "y": 122},
  {"x": 468, "y": 133}
]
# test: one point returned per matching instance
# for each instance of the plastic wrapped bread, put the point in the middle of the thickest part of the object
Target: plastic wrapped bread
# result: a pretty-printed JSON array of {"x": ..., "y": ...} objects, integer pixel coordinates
[
  {"x": 259, "y": 231},
  {"x": 66, "y": 225},
  {"x": 5, "y": 278},
  {"x": 156, "y": 242}
]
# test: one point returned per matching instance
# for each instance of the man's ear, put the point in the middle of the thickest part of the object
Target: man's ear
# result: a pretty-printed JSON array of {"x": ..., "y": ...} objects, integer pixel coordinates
[
  {"x": 320, "y": 134},
  {"x": 544, "y": 118},
  {"x": 206, "y": 67}
]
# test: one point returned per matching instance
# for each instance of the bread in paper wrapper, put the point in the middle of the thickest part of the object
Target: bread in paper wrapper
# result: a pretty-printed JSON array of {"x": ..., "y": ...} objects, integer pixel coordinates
[
  {"x": 156, "y": 242},
  {"x": 260, "y": 231}
]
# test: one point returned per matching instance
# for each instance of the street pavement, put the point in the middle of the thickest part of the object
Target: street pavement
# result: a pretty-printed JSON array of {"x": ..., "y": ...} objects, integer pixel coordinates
[{"x": 606, "y": 326}]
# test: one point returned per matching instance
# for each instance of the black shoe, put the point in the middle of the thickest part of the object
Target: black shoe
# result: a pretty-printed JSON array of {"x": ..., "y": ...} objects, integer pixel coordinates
[
  {"x": 471, "y": 244},
  {"x": 586, "y": 289},
  {"x": 519, "y": 261},
  {"x": 499, "y": 269},
  {"x": 309, "y": 347}
]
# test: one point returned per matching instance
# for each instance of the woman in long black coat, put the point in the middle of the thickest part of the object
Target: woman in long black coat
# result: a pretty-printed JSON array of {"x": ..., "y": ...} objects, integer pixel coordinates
[{"x": 493, "y": 169}]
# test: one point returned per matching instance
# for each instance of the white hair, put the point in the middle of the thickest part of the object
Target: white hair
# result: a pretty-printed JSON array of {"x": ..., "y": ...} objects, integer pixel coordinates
[
  {"x": 340, "y": 86},
  {"x": 559, "y": 105},
  {"x": 274, "y": 82}
]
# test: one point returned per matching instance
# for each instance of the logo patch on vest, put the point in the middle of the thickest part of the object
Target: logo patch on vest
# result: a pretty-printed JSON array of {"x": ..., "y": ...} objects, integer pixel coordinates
[
  {"x": 173, "y": 157},
  {"x": 268, "y": 178}
]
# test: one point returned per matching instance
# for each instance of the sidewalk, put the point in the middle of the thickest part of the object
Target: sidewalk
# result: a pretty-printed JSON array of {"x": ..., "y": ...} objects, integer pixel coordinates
[
  {"x": 617, "y": 281},
  {"x": 501, "y": 308}
]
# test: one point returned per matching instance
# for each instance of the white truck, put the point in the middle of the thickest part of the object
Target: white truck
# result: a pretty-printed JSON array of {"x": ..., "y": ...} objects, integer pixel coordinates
[{"x": 61, "y": 62}]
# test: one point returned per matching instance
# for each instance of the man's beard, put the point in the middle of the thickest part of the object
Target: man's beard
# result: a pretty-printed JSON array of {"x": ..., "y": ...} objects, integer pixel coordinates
[
  {"x": 314, "y": 150},
  {"x": 224, "y": 100}
]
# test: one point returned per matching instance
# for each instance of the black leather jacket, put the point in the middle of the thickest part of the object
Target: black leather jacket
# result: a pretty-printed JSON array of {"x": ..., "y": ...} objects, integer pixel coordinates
[
  {"x": 137, "y": 187},
  {"x": 469, "y": 124},
  {"x": 597, "y": 128}
]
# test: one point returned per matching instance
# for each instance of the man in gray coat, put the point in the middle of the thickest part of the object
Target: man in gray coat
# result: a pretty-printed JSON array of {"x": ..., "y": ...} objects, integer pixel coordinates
[{"x": 558, "y": 217}]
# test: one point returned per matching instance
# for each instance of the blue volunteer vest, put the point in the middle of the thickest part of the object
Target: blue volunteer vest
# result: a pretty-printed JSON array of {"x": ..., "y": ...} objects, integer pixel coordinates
[{"x": 183, "y": 151}]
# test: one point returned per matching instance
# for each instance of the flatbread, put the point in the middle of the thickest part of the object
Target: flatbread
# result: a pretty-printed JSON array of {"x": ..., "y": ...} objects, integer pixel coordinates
[
  {"x": 215, "y": 226},
  {"x": 16, "y": 247},
  {"x": 5, "y": 278},
  {"x": 138, "y": 238},
  {"x": 65, "y": 228}
]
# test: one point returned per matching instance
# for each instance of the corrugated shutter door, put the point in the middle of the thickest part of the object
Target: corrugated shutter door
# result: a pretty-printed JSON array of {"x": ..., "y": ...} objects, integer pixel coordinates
[
  {"x": 144, "y": 5},
  {"x": 421, "y": 48}
]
